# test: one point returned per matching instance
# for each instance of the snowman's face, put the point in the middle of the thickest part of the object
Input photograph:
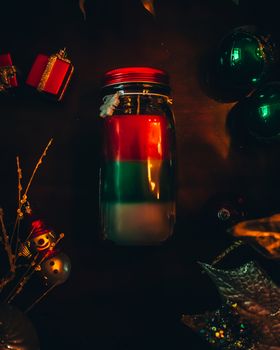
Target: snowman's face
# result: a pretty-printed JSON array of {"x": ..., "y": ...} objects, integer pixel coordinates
[{"x": 43, "y": 241}]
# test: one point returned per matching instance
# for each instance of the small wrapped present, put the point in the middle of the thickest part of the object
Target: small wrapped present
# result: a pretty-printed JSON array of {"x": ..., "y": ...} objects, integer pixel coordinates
[
  {"x": 51, "y": 74},
  {"x": 7, "y": 72}
]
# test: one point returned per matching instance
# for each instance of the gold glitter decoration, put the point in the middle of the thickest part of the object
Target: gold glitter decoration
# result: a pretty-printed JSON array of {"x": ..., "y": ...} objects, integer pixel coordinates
[
  {"x": 6, "y": 73},
  {"x": 47, "y": 72}
]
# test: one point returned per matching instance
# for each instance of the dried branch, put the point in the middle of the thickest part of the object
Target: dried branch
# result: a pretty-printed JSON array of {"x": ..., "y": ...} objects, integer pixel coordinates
[
  {"x": 82, "y": 7},
  {"x": 6, "y": 243},
  {"x": 23, "y": 280},
  {"x": 228, "y": 250},
  {"x": 24, "y": 197},
  {"x": 19, "y": 172},
  {"x": 40, "y": 298},
  {"x": 11, "y": 258}
]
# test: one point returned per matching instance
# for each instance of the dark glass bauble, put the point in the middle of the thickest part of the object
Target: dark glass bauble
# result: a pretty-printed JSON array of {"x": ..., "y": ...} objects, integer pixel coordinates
[
  {"x": 244, "y": 58},
  {"x": 16, "y": 330},
  {"x": 262, "y": 113},
  {"x": 242, "y": 61}
]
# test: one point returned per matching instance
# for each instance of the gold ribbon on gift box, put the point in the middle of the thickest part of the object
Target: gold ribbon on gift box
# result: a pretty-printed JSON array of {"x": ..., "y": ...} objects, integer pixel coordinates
[
  {"x": 6, "y": 73},
  {"x": 61, "y": 55}
]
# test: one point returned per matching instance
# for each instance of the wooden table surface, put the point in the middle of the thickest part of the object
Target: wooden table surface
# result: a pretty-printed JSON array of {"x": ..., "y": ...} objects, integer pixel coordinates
[{"x": 122, "y": 298}]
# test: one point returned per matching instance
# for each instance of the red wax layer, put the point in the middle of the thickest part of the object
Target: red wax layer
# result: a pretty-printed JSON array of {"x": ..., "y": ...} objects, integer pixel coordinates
[
  {"x": 6, "y": 60},
  {"x": 56, "y": 77},
  {"x": 136, "y": 137}
]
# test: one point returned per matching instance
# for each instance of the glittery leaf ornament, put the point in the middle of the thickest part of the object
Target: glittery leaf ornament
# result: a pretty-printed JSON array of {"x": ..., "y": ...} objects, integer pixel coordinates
[
  {"x": 149, "y": 6},
  {"x": 110, "y": 103},
  {"x": 263, "y": 234},
  {"x": 222, "y": 328},
  {"x": 250, "y": 315}
]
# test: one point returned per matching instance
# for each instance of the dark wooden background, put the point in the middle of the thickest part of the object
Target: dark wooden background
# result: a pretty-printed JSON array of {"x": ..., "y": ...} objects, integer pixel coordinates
[{"x": 121, "y": 298}]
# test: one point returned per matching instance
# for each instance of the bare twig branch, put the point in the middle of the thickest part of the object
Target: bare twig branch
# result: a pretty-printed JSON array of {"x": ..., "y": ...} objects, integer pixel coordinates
[
  {"x": 19, "y": 172},
  {"x": 24, "y": 197},
  {"x": 82, "y": 7},
  {"x": 227, "y": 251},
  {"x": 6, "y": 243},
  {"x": 11, "y": 258},
  {"x": 24, "y": 279},
  {"x": 40, "y": 298}
]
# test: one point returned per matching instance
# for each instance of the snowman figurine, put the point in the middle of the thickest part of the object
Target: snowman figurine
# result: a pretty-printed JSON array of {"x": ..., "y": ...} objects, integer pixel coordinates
[{"x": 42, "y": 239}]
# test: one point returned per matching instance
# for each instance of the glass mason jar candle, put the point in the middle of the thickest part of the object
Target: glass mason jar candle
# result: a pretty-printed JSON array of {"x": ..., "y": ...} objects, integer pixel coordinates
[{"x": 137, "y": 177}]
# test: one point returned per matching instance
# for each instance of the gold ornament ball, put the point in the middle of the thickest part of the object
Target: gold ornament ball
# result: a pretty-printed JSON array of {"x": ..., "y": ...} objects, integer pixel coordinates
[{"x": 56, "y": 269}]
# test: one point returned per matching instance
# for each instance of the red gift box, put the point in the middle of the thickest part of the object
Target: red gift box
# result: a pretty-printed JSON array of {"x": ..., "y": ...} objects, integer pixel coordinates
[
  {"x": 51, "y": 74},
  {"x": 7, "y": 72}
]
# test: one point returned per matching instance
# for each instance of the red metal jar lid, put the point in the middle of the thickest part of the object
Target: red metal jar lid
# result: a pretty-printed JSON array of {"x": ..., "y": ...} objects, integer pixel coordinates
[{"x": 136, "y": 74}]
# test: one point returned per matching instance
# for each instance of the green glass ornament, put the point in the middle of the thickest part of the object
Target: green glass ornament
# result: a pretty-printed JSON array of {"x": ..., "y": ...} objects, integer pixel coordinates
[
  {"x": 262, "y": 113},
  {"x": 244, "y": 58}
]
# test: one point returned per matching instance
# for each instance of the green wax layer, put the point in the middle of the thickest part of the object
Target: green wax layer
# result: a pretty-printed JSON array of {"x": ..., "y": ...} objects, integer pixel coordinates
[{"x": 136, "y": 181}]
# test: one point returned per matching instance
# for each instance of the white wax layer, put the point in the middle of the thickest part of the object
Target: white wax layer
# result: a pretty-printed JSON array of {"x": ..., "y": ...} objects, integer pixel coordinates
[{"x": 138, "y": 223}]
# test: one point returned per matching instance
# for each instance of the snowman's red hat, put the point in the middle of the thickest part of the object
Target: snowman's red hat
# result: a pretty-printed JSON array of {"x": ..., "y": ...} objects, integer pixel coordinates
[{"x": 39, "y": 228}]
